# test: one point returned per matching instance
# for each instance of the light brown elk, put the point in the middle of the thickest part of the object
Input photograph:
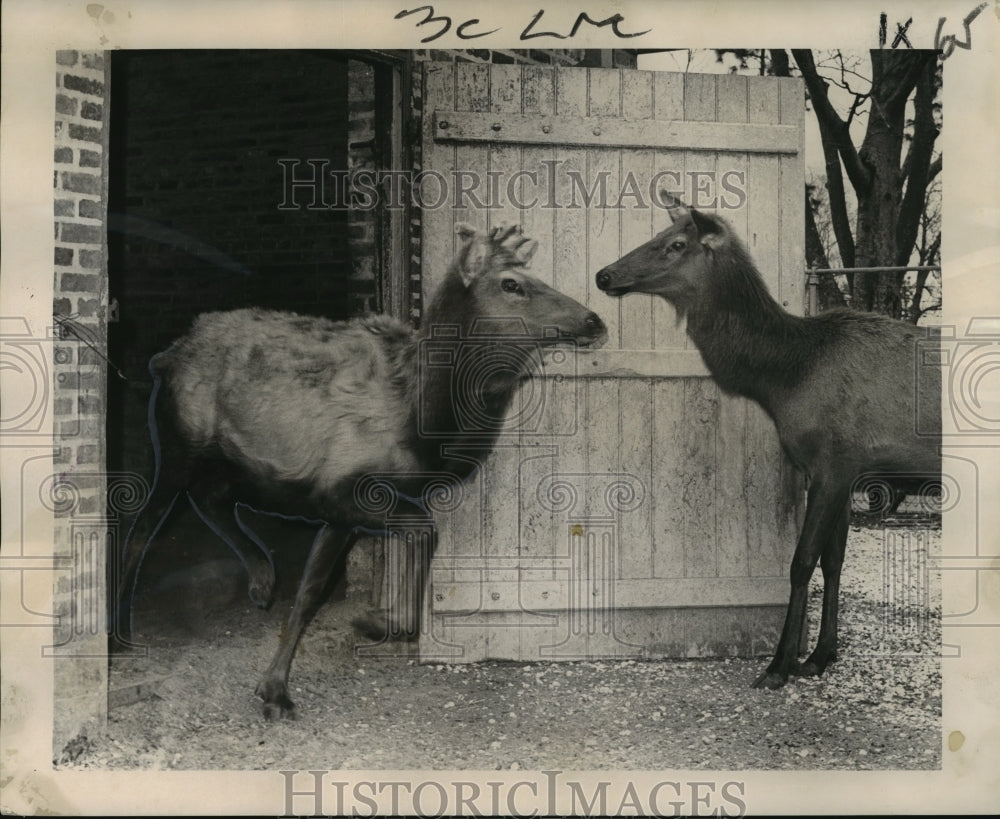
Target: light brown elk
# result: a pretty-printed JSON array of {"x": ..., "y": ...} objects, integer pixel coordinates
[{"x": 303, "y": 416}]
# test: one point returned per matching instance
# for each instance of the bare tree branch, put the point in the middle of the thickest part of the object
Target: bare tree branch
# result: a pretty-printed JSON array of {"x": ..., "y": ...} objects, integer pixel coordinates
[
  {"x": 832, "y": 127},
  {"x": 930, "y": 255},
  {"x": 898, "y": 72},
  {"x": 916, "y": 310},
  {"x": 917, "y": 165},
  {"x": 834, "y": 176},
  {"x": 934, "y": 169},
  {"x": 859, "y": 100}
]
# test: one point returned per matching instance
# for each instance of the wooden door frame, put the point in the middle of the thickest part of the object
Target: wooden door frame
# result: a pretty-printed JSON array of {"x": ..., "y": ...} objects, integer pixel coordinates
[{"x": 393, "y": 96}]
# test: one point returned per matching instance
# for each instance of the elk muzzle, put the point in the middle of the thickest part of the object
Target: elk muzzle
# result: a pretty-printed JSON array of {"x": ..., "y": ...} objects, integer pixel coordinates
[
  {"x": 596, "y": 331},
  {"x": 606, "y": 283}
]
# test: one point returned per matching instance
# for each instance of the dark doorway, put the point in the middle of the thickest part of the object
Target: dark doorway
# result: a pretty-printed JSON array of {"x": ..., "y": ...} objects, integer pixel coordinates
[{"x": 199, "y": 217}]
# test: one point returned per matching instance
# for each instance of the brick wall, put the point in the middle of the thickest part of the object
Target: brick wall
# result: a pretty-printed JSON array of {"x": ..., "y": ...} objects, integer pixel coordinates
[
  {"x": 77, "y": 490},
  {"x": 361, "y": 155}
]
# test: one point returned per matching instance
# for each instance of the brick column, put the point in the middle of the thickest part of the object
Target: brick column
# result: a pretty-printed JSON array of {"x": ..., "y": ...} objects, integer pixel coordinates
[{"x": 77, "y": 488}]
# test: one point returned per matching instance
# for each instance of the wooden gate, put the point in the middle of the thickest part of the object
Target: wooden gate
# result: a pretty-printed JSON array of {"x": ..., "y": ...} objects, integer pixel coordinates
[{"x": 630, "y": 508}]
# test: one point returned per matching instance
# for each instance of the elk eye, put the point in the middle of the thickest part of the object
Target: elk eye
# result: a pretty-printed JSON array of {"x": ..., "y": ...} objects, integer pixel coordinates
[
  {"x": 677, "y": 246},
  {"x": 511, "y": 286}
]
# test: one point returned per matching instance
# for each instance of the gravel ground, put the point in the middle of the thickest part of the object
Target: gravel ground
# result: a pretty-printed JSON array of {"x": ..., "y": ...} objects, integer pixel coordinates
[{"x": 878, "y": 707}]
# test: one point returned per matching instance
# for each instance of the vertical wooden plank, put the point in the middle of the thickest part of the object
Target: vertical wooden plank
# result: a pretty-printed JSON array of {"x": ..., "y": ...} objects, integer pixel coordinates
[
  {"x": 604, "y": 92},
  {"x": 504, "y": 159},
  {"x": 603, "y": 638},
  {"x": 700, "y": 104},
  {"x": 731, "y": 498},
  {"x": 601, "y": 448},
  {"x": 700, "y": 394},
  {"x": 537, "y": 525},
  {"x": 668, "y": 95},
  {"x": 602, "y": 178},
  {"x": 570, "y": 228},
  {"x": 635, "y": 437},
  {"x": 763, "y": 471},
  {"x": 452, "y": 639},
  {"x": 638, "y": 314},
  {"x": 603, "y": 460},
  {"x": 570, "y": 276},
  {"x": 698, "y": 454},
  {"x": 731, "y": 167},
  {"x": 791, "y": 290},
  {"x": 637, "y": 329},
  {"x": 538, "y": 220},
  {"x": 763, "y": 181},
  {"x": 537, "y": 215},
  {"x": 700, "y": 97},
  {"x": 603, "y": 248},
  {"x": 472, "y": 93},
  {"x": 501, "y": 530},
  {"x": 636, "y": 218},
  {"x": 668, "y": 477},
  {"x": 668, "y": 104}
]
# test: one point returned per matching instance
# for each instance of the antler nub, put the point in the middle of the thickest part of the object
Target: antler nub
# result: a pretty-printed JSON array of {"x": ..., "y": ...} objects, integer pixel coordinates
[
  {"x": 511, "y": 239},
  {"x": 499, "y": 245}
]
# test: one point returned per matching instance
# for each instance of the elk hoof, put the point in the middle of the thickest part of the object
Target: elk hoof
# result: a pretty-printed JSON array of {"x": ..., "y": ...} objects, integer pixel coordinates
[
  {"x": 808, "y": 669},
  {"x": 771, "y": 680},
  {"x": 277, "y": 703},
  {"x": 814, "y": 666},
  {"x": 283, "y": 708}
]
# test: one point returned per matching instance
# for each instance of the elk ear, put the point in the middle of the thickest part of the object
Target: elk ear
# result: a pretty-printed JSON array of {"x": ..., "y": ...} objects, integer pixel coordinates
[
  {"x": 675, "y": 207},
  {"x": 710, "y": 230},
  {"x": 472, "y": 254},
  {"x": 465, "y": 231}
]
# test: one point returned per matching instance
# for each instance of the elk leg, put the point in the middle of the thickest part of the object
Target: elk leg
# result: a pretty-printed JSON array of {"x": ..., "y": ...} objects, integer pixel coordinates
[
  {"x": 831, "y": 561},
  {"x": 216, "y": 507},
  {"x": 150, "y": 519},
  {"x": 273, "y": 687},
  {"x": 823, "y": 506}
]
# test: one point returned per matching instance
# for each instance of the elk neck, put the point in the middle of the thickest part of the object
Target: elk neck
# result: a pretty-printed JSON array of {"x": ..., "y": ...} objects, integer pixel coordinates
[
  {"x": 750, "y": 344},
  {"x": 461, "y": 388}
]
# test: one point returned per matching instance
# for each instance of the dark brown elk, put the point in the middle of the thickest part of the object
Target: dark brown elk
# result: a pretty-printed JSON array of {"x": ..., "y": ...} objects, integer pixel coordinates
[
  {"x": 841, "y": 388},
  {"x": 311, "y": 418}
]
